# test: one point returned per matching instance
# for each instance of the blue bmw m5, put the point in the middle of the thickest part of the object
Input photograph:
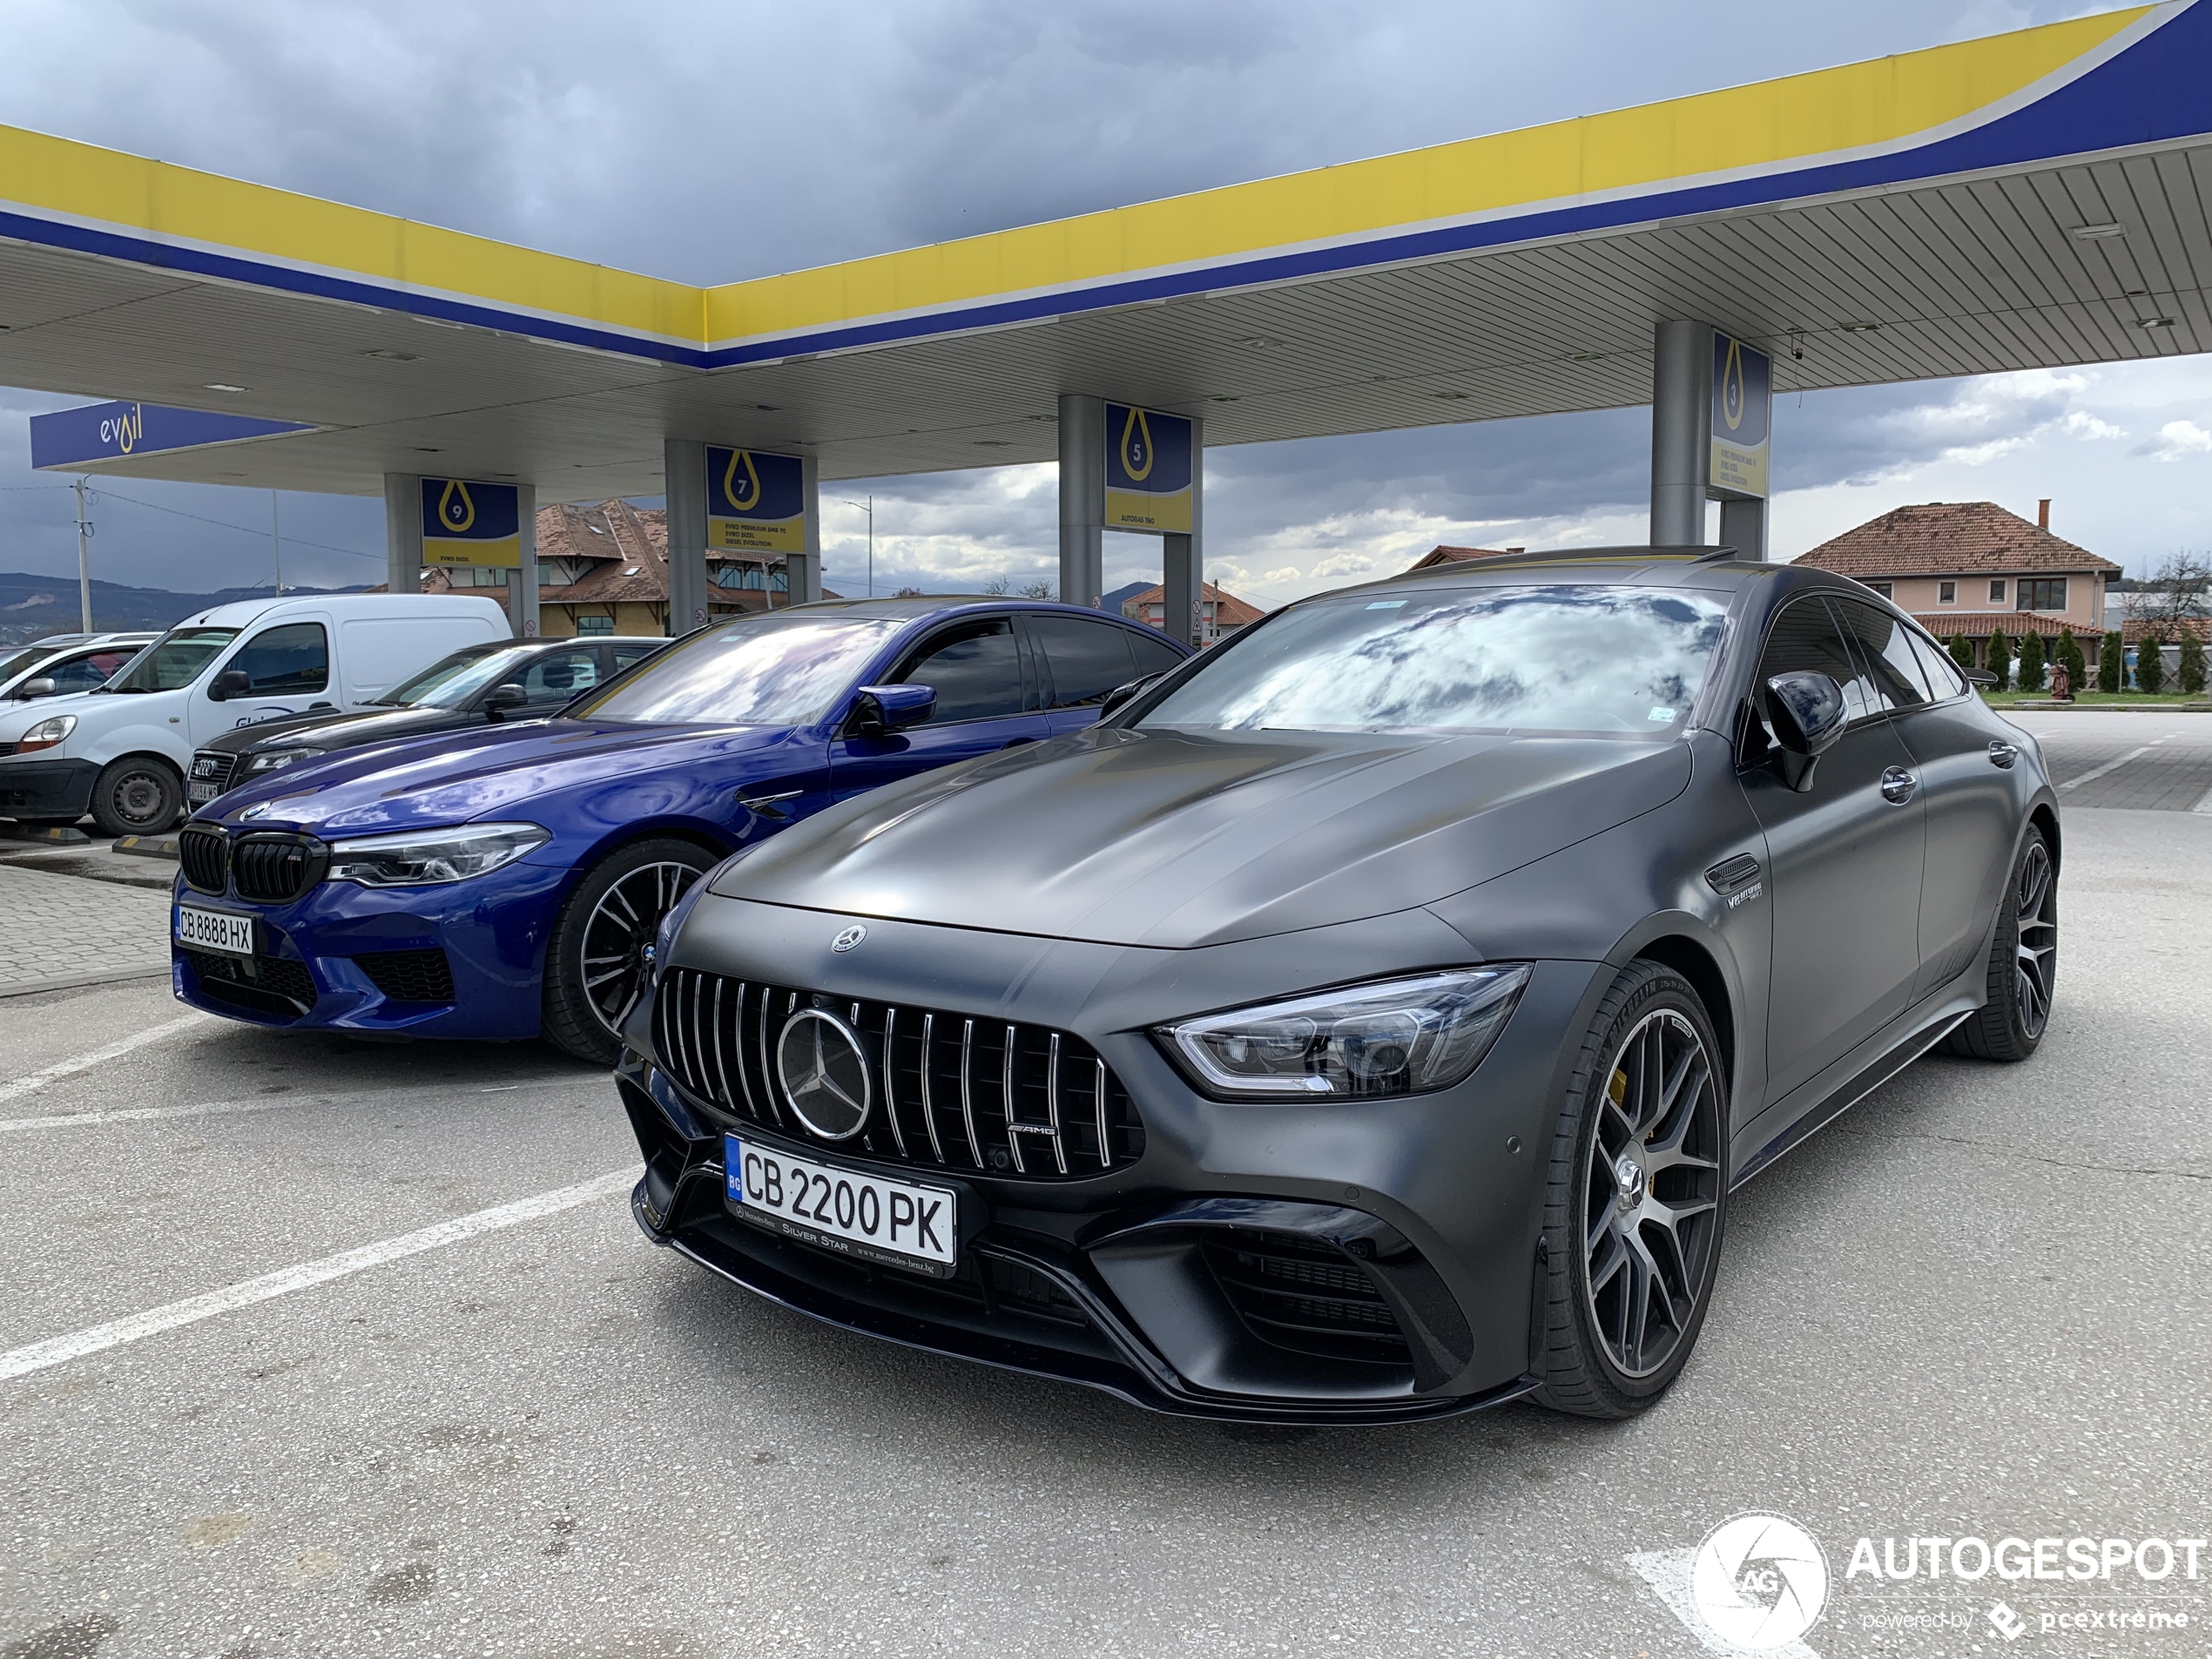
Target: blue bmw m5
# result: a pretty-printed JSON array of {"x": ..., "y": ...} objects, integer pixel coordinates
[{"x": 508, "y": 882}]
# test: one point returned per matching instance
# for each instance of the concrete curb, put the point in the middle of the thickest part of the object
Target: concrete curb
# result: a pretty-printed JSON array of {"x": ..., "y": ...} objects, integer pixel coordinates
[
  {"x": 2046, "y": 706},
  {"x": 148, "y": 847},
  {"x": 78, "y": 981}
]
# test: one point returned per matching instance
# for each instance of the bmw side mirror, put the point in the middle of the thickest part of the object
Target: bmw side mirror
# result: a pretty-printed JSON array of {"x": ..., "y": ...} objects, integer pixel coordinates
[
  {"x": 501, "y": 699},
  {"x": 42, "y": 686},
  {"x": 1806, "y": 711},
  {"x": 1127, "y": 692},
  {"x": 231, "y": 681},
  {"x": 879, "y": 709}
]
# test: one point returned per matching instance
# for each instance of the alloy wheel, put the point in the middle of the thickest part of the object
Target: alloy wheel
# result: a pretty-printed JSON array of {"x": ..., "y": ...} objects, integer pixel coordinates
[
  {"x": 2035, "y": 955},
  {"x": 620, "y": 928},
  {"x": 1651, "y": 1193}
]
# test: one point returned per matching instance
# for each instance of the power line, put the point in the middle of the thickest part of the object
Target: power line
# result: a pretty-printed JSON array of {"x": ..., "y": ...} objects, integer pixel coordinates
[{"x": 219, "y": 523}]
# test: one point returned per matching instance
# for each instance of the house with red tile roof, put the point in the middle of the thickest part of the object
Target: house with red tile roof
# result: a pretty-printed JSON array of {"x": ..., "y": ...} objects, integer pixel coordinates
[
  {"x": 603, "y": 569},
  {"x": 1972, "y": 568},
  {"x": 1223, "y": 613}
]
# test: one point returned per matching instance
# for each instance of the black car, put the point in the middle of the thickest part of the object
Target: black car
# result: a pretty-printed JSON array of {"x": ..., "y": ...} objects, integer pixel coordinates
[
  {"x": 1369, "y": 1019},
  {"x": 500, "y": 680}
]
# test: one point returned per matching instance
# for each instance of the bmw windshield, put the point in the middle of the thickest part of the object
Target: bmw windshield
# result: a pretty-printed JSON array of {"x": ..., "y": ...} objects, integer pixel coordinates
[
  {"x": 762, "y": 671},
  {"x": 1557, "y": 659}
]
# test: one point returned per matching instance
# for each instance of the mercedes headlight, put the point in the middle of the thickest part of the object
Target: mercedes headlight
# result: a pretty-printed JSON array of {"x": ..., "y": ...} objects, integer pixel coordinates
[
  {"x": 1400, "y": 1036},
  {"x": 46, "y": 733},
  {"x": 275, "y": 759},
  {"x": 425, "y": 858}
]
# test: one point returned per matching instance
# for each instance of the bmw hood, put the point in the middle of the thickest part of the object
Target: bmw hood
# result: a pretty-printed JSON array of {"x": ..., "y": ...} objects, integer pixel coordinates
[
  {"x": 456, "y": 777},
  {"x": 1177, "y": 839}
]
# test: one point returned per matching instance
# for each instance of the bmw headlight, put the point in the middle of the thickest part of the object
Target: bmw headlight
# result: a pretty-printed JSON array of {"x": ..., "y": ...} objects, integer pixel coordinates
[
  {"x": 425, "y": 858},
  {"x": 46, "y": 733},
  {"x": 276, "y": 759},
  {"x": 1400, "y": 1036}
]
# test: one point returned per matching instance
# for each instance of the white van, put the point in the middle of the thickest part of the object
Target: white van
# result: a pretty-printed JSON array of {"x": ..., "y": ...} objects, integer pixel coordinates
[{"x": 122, "y": 751}]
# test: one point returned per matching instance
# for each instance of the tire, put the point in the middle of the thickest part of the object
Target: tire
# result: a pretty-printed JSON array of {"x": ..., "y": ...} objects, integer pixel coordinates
[
  {"x": 594, "y": 964},
  {"x": 138, "y": 795},
  {"x": 2023, "y": 965},
  {"x": 1627, "y": 1155}
]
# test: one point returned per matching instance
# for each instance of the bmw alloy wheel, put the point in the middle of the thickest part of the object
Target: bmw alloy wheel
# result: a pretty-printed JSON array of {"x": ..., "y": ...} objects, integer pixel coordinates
[
  {"x": 620, "y": 931},
  {"x": 1651, "y": 1194},
  {"x": 2035, "y": 955}
]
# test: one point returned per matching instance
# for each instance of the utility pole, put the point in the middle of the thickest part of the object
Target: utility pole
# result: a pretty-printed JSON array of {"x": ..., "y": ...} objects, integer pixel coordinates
[
  {"x": 868, "y": 507},
  {"x": 276, "y": 543},
  {"x": 82, "y": 486}
]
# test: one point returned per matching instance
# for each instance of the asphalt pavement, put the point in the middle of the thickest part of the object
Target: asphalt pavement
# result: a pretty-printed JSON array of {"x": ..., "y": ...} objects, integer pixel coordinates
[{"x": 308, "y": 1347}]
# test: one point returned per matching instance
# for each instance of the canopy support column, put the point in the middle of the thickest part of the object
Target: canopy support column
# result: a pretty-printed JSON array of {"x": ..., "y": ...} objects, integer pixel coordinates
[
  {"x": 803, "y": 571},
  {"x": 685, "y": 473},
  {"x": 402, "y": 532},
  {"x": 1680, "y": 369},
  {"x": 1083, "y": 499},
  {"x": 521, "y": 589},
  {"x": 1182, "y": 560}
]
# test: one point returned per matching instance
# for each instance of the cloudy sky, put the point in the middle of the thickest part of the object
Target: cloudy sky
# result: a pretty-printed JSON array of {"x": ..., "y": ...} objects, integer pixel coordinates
[{"x": 611, "y": 132}]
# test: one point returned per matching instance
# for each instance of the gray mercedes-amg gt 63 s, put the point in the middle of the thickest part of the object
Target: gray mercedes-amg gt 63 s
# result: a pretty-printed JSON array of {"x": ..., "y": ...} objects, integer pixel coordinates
[{"x": 1369, "y": 1019}]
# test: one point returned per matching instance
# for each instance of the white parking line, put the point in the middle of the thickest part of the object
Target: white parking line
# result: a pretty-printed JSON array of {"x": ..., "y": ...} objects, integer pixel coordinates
[
  {"x": 122, "y": 1046},
  {"x": 259, "y": 1104},
  {"x": 56, "y": 1350},
  {"x": 2095, "y": 772}
]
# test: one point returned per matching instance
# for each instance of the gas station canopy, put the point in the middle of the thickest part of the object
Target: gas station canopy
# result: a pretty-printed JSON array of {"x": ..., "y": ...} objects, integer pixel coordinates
[{"x": 2033, "y": 199}]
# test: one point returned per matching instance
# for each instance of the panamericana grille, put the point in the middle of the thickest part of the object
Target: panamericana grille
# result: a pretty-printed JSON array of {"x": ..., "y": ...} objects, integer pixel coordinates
[
  {"x": 273, "y": 869},
  {"x": 1305, "y": 1295},
  {"x": 949, "y": 1090},
  {"x": 204, "y": 854},
  {"x": 276, "y": 986},
  {"x": 410, "y": 975}
]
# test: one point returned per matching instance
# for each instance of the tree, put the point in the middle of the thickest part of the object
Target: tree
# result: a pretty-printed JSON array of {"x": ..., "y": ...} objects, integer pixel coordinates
[
  {"x": 2111, "y": 666},
  {"x": 2190, "y": 673},
  {"x": 2000, "y": 659},
  {"x": 1962, "y": 652},
  {"x": 907, "y": 593},
  {"x": 2069, "y": 653},
  {"x": 2032, "y": 661},
  {"x": 1036, "y": 590},
  {"x": 997, "y": 585},
  {"x": 2150, "y": 663}
]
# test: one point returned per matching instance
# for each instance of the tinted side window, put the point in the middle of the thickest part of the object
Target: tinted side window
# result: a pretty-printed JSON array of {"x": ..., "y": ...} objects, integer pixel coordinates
[
  {"x": 1886, "y": 645},
  {"x": 975, "y": 669},
  {"x": 1154, "y": 654},
  {"x": 625, "y": 654},
  {"x": 295, "y": 658},
  {"x": 1936, "y": 666},
  {"x": 1806, "y": 638},
  {"x": 552, "y": 679},
  {"x": 1086, "y": 659},
  {"x": 82, "y": 673}
]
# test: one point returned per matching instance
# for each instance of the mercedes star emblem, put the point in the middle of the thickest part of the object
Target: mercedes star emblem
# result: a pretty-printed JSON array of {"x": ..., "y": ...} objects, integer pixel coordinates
[
  {"x": 824, "y": 1074},
  {"x": 849, "y": 938}
]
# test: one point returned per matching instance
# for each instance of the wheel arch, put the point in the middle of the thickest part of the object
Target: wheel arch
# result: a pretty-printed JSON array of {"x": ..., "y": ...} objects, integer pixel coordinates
[
  {"x": 1689, "y": 958},
  {"x": 2045, "y": 817}
]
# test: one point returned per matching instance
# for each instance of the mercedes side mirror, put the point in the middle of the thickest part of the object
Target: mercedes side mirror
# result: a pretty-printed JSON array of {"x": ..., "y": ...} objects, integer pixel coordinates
[
  {"x": 42, "y": 686},
  {"x": 1806, "y": 711},
  {"x": 1126, "y": 692},
  {"x": 231, "y": 681},
  {"x": 877, "y": 711},
  {"x": 501, "y": 699}
]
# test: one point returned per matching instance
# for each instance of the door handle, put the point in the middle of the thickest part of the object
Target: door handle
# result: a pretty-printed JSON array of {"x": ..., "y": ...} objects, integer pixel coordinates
[
  {"x": 1898, "y": 785},
  {"x": 2002, "y": 754}
]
